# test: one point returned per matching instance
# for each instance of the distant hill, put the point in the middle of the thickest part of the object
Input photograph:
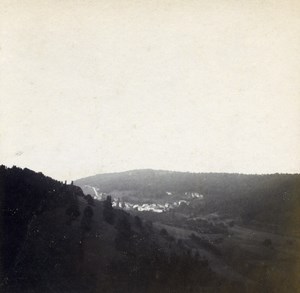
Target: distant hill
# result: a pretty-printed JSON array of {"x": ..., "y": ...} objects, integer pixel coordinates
[
  {"x": 157, "y": 181},
  {"x": 252, "y": 198}
]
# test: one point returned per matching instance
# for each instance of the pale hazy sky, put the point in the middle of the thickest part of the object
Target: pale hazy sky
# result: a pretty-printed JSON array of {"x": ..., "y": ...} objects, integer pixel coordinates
[{"x": 98, "y": 86}]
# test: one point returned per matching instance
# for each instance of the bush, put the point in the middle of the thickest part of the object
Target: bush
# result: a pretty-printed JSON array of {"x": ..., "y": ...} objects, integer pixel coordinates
[
  {"x": 138, "y": 222},
  {"x": 88, "y": 212},
  {"x": 108, "y": 211},
  {"x": 90, "y": 200},
  {"x": 86, "y": 221},
  {"x": 72, "y": 212},
  {"x": 163, "y": 232},
  {"x": 124, "y": 234},
  {"x": 231, "y": 223}
]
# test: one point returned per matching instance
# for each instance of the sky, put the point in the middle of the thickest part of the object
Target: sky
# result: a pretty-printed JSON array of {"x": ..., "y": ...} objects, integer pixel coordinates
[{"x": 89, "y": 87}]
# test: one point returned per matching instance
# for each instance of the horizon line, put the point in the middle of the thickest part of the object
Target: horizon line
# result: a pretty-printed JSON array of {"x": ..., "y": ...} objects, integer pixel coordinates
[
  {"x": 151, "y": 169},
  {"x": 191, "y": 172}
]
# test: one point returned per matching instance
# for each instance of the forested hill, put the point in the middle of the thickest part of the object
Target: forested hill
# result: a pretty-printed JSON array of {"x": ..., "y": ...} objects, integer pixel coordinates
[
  {"x": 274, "y": 198},
  {"x": 208, "y": 183},
  {"x": 24, "y": 197},
  {"x": 56, "y": 239}
]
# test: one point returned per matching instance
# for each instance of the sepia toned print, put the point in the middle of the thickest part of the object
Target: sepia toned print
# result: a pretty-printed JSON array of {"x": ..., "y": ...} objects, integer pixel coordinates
[{"x": 149, "y": 146}]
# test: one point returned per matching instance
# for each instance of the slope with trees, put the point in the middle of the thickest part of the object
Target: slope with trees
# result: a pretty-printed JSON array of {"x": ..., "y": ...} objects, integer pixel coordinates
[{"x": 56, "y": 239}]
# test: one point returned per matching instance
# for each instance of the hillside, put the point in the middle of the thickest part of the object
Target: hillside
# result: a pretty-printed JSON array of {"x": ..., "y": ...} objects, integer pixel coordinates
[
  {"x": 263, "y": 198},
  {"x": 216, "y": 233},
  {"x": 156, "y": 181},
  {"x": 56, "y": 239},
  {"x": 247, "y": 226}
]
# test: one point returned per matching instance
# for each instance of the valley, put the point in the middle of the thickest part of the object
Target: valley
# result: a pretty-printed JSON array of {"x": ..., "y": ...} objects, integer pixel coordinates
[
  {"x": 243, "y": 225},
  {"x": 150, "y": 231}
]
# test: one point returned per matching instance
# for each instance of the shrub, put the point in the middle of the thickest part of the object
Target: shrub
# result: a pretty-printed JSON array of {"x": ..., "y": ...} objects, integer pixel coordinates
[
  {"x": 86, "y": 221},
  {"x": 138, "y": 222},
  {"x": 90, "y": 200},
  {"x": 163, "y": 232},
  {"x": 108, "y": 211},
  {"x": 72, "y": 212}
]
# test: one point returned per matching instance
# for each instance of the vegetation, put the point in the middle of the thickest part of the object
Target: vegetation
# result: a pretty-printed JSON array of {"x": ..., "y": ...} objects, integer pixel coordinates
[
  {"x": 248, "y": 224},
  {"x": 55, "y": 240},
  {"x": 252, "y": 199},
  {"x": 108, "y": 213}
]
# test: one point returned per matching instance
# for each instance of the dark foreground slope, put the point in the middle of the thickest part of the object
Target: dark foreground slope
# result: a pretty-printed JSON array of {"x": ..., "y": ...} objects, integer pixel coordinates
[{"x": 56, "y": 239}]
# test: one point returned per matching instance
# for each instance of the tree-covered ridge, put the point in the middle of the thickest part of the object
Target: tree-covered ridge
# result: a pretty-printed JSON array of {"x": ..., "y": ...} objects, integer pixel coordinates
[
  {"x": 268, "y": 198},
  {"x": 24, "y": 195},
  {"x": 206, "y": 183}
]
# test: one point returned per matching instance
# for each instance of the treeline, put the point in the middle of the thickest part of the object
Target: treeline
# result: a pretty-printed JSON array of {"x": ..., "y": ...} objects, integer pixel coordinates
[
  {"x": 224, "y": 184},
  {"x": 24, "y": 195}
]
